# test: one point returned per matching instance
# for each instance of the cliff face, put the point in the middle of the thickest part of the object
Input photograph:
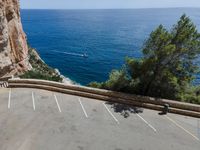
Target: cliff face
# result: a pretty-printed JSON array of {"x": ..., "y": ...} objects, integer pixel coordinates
[{"x": 13, "y": 46}]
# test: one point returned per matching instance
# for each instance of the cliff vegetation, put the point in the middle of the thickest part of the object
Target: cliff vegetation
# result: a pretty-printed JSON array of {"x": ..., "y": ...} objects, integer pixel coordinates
[
  {"x": 40, "y": 70},
  {"x": 167, "y": 68}
]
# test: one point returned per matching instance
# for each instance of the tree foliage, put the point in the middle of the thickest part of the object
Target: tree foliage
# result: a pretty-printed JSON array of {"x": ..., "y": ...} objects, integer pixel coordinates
[{"x": 168, "y": 65}]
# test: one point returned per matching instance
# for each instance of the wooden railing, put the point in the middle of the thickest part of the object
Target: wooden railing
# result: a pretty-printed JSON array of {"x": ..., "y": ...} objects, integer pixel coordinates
[{"x": 110, "y": 96}]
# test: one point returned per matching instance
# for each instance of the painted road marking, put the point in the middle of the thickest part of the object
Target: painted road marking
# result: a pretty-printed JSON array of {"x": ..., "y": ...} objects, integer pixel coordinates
[
  {"x": 146, "y": 122},
  {"x": 57, "y": 103},
  {"x": 9, "y": 97},
  {"x": 110, "y": 113},
  {"x": 198, "y": 127},
  {"x": 33, "y": 99},
  {"x": 84, "y": 111},
  {"x": 196, "y": 138}
]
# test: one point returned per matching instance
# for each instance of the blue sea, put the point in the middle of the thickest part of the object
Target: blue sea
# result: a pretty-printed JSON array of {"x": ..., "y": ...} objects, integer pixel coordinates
[{"x": 85, "y": 45}]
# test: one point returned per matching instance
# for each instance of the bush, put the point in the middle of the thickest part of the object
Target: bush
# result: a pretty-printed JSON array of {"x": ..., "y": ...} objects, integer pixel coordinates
[
  {"x": 39, "y": 75},
  {"x": 40, "y": 69}
]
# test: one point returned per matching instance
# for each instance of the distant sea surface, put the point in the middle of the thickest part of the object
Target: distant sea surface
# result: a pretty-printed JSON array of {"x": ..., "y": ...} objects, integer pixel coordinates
[{"x": 85, "y": 45}]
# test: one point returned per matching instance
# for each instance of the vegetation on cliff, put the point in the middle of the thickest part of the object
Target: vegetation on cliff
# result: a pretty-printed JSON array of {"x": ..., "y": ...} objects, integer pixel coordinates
[
  {"x": 40, "y": 70},
  {"x": 167, "y": 68}
]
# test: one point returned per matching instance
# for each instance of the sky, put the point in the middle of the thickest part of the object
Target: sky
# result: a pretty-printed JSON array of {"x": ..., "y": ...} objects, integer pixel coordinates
[{"x": 106, "y": 4}]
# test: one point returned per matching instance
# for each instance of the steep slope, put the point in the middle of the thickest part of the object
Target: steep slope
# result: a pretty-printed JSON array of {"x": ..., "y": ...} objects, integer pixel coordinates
[{"x": 13, "y": 44}]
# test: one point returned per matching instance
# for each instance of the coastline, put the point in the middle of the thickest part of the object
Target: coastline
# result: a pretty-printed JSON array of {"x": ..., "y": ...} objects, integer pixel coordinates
[
  {"x": 41, "y": 70},
  {"x": 65, "y": 79}
]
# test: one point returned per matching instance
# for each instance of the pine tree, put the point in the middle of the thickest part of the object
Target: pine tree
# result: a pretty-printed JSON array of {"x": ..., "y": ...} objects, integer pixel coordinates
[{"x": 168, "y": 66}]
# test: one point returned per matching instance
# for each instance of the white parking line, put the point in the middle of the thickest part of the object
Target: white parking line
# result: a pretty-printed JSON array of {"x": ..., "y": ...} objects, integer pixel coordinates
[
  {"x": 146, "y": 122},
  {"x": 111, "y": 113},
  {"x": 57, "y": 103},
  {"x": 198, "y": 127},
  {"x": 9, "y": 98},
  {"x": 84, "y": 111},
  {"x": 196, "y": 138},
  {"x": 33, "y": 99}
]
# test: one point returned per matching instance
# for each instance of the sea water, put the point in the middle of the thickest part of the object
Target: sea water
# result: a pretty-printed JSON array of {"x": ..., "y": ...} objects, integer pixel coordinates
[{"x": 85, "y": 45}]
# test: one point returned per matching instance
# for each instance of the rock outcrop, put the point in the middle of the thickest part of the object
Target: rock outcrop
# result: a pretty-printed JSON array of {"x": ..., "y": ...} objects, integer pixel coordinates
[{"x": 13, "y": 45}]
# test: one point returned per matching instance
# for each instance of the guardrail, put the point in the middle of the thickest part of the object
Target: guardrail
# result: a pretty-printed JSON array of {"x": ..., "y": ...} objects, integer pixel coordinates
[
  {"x": 110, "y": 96},
  {"x": 6, "y": 78},
  {"x": 4, "y": 81},
  {"x": 3, "y": 84}
]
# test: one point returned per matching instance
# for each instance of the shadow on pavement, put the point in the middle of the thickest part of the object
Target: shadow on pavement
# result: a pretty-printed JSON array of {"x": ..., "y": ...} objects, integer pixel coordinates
[{"x": 125, "y": 110}]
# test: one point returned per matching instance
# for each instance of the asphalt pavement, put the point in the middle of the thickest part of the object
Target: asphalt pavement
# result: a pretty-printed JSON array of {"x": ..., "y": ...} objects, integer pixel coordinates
[{"x": 32, "y": 119}]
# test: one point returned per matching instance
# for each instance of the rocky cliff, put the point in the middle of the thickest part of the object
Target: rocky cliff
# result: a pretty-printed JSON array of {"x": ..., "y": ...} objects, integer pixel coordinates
[{"x": 13, "y": 45}]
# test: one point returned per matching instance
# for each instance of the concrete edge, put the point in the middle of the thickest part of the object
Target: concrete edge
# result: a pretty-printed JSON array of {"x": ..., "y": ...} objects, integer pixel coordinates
[
  {"x": 136, "y": 98},
  {"x": 105, "y": 98}
]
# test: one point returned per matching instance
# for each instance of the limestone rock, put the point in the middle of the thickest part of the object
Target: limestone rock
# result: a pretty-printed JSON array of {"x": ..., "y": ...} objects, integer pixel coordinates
[{"x": 13, "y": 45}]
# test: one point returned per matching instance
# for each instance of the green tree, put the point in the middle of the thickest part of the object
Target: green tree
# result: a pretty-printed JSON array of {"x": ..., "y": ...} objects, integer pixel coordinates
[
  {"x": 118, "y": 81},
  {"x": 168, "y": 65}
]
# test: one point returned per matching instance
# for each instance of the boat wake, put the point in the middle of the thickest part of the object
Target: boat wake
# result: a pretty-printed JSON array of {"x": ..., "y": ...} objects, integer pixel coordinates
[{"x": 72, "y": 54}]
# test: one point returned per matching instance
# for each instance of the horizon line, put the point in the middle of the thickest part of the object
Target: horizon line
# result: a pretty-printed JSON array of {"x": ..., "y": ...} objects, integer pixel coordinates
[{"x": 108, "y": 8}]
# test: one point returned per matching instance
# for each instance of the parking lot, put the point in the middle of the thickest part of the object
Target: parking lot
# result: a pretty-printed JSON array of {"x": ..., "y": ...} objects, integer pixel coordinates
[{"x": 32, "y": 119}]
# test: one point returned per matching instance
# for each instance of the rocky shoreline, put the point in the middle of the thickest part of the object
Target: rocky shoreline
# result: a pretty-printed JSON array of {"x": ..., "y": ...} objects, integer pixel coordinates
[
  {"x": 40, "y": 70},
  {"x": 65, "y": 80}
]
